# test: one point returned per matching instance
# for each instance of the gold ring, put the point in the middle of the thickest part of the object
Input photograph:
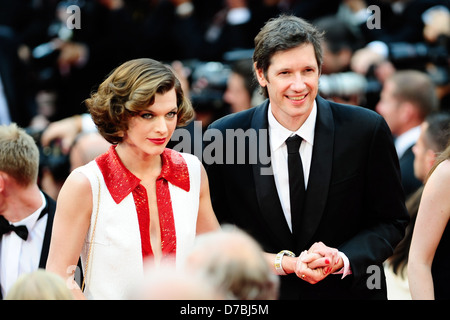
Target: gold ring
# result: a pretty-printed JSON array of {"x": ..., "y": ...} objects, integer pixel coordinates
[{"x": 303, "y": 276}]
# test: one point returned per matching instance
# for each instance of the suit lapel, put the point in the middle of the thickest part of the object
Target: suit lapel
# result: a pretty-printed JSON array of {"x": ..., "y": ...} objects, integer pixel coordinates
[
  {"x": 266, "y": 191},
  {"x": 50, "y": 211},
  {"x": 319, "y": 175}
]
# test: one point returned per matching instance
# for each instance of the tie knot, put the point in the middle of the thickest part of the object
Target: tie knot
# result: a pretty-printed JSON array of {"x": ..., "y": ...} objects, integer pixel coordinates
[{"x": 293, "y": 143}]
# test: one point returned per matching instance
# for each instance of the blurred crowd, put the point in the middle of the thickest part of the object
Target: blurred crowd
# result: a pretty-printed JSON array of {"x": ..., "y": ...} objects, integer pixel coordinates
[{"x": 52, "y": 56}]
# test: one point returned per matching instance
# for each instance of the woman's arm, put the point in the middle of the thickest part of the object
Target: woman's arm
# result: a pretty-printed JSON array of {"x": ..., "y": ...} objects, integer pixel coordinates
[
  {"x": 206, "y": 220},
  {"x": 72, "y": 219},
  {"x": 432, "y": 217}
]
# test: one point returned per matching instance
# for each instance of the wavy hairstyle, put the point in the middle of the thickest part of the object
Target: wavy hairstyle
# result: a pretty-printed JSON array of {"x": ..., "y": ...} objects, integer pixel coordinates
[{"x": 129, "y": 89}]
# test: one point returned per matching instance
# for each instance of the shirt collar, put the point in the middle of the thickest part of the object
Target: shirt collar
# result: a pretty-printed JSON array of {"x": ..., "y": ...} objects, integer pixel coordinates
[
  {"x": 279, "y": 134},
  {"x": 30, "y": 221},
  {"x": 406, "y": 140},
  {"x": 120, "y": 181}
]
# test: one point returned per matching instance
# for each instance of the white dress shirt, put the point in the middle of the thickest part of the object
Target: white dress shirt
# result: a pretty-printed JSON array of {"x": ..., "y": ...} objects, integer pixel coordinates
[
  {"x": 18, "y": 256},
  {"x": 278, "y": 150},
  {"x": 277, "y": 138},
  {"x": 407, "y": 139}
]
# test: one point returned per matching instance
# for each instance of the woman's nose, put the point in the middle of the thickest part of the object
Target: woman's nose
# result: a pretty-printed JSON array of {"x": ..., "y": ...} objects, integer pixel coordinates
[{"x": 160, "y": 125}]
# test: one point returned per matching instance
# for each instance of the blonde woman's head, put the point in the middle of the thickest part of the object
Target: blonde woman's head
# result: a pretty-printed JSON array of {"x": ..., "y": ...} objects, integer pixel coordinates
[{"x": 39, "y": 285}]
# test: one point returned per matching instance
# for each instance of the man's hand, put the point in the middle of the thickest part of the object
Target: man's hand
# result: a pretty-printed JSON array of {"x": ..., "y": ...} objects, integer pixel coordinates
[
  {"x": 65, "y": 129},
  {"x": 318, "y": 262}
]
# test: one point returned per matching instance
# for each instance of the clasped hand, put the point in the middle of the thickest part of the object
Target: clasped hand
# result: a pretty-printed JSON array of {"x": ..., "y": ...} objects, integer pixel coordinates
[{"x": 318, "y": 262}]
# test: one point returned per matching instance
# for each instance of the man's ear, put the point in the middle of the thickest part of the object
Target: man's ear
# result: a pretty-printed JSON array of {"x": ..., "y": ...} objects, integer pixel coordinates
[
  {"x": 260, "y": 76},
  {"x": 409, "y": 113},
  {"x": 2, "y": 181}
]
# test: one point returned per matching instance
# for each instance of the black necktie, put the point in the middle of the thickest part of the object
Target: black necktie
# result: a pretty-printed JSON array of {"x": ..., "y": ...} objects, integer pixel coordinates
[
  {"x": 6, "y": 227},
  {"x": 296, "y": 179}
]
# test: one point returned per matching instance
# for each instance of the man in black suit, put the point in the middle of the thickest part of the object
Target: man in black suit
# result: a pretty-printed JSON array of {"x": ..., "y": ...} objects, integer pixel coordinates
[
  {"x": 26, "y": 213},
  {"x": 13, "y": 92},
  {"x": 353, "y": 213},
  {"x": 407, "y": 98}
]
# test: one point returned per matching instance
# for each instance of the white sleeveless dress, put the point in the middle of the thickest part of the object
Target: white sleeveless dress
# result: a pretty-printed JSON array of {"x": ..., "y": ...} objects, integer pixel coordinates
[{"x": 116, "y": 261}]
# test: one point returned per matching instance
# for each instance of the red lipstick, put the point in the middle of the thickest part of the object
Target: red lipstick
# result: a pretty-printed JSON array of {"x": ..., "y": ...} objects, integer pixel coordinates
[{"x": 158, "y": 141}]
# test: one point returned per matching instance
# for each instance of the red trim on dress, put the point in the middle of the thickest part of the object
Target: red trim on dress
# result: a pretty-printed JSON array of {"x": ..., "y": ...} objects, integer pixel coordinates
[{"x": 120, "y": 182}]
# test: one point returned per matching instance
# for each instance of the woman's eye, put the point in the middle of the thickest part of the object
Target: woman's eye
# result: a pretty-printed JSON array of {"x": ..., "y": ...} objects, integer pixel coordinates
[
  {"x": 171, "y": 114},
  {"x": 146, "y": 115}
]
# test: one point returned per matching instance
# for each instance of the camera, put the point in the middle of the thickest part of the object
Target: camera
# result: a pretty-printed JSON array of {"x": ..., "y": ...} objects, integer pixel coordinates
[
  {"x": 209, "y": 81},
  {"x": 51, "y": 157},
  {"x": 344, "y": 84},
  {"x": 418, "y": 52},
  {"x": 421, "y": 55}
]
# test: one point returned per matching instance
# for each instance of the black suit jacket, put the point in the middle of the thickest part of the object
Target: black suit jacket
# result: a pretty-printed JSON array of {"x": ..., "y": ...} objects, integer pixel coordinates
[
  {"x": 49, "y": 210},
  {"x": 13, "y": 80},
  {"x": 354, "y": 200},
  {"x": 409, "y": 181}
]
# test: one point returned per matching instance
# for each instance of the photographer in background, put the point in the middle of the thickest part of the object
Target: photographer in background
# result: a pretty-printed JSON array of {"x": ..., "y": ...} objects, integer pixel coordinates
[
  {"x": 338, "y": 82},
  {"x": 70, "y": 61},
  {"x": 65, "y": 145},
  {"x": 17, "y": 26},
  {"x": 398, "y": 22},
  {"x": 421, "y": 42},
  {"x": 13, "y": 106},
  {"x": 241, "y": 90}
]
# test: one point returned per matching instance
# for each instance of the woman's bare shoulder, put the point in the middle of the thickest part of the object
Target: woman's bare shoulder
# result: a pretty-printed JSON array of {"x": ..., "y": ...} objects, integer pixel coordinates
[{"x": 76, "y": 190}]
